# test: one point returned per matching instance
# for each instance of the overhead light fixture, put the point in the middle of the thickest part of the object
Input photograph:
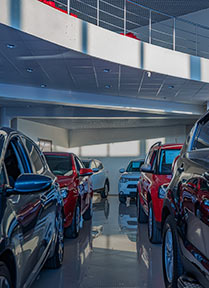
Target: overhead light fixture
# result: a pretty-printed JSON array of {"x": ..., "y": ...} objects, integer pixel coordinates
[
  {"x": 171, "y": 87},
  {"x": 182, "y": 112},
  {"x": 10, "y": 46},
  {"x": 106, "y": 70},
  {"x": 29, "y": 70},
  {"x": 149, "y": 74},
  {"x": 108, "y": 86},
  {"x": 43, "y": 85}
]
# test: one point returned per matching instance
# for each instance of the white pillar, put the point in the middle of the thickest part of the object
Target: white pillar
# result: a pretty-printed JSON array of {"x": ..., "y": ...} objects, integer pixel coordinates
[{"x": 5, "y": 120}]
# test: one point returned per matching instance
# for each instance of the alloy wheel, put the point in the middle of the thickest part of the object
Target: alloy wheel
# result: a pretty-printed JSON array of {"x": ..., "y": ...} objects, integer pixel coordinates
[{"x": 168, "y": 254}]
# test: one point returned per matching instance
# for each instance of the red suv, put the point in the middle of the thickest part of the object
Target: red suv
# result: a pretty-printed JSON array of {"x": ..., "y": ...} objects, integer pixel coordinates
[
  {"x": 156, "y": 173},
  {"x": 76, "y": 188}
]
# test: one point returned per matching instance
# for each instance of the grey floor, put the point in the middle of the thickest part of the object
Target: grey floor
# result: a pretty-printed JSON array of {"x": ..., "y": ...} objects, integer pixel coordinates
[{"x": 111, "y": 251}]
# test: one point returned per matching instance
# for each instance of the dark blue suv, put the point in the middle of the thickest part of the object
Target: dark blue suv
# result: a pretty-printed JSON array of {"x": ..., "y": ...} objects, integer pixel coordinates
[{"x": 31, "y": 212}]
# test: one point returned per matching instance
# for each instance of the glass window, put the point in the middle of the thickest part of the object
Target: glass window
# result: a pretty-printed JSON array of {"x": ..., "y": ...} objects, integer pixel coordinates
[
  {"x": 59, "y": 164},
  {"x": 134, "y": 166},
  {"x": 78, "y": 164},
  {"x": 34, "y": 155},
  {"x": 202, "y": 136},
  {"x": 93, "y": 165},
  {"x": 86, "y": 163},
  {"x": 166, "y": 160},
  {"x": 99, "y": 165}
]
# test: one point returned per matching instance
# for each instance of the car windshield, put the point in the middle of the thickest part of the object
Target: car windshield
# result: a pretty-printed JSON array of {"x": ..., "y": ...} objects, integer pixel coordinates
[
  {"x": 60, "y": 165},
  {"x": 86, "y": 164},
  {"x": 134, "y": 166},
  {"x": 166, "y": 160}
]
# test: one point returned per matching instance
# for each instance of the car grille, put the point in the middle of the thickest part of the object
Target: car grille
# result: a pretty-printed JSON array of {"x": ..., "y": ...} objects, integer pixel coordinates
[
  {"x": 132, "y": 186},
  {"x": 133, "y": 179}
]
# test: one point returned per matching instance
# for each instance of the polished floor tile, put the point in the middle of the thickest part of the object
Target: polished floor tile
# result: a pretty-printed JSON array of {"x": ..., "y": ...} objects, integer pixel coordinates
[{"x": 111, "y": 251}]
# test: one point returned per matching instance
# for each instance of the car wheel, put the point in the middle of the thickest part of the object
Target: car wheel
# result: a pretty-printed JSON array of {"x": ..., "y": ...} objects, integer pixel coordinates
[
  {"x": 142, "y": 217},
  {"x": 154, "y": 234},
  {"x": 73, "y": 230},
  {"x": 57, "y": 259},
  {"x": 89, "y": 212},
  {"x": 105, "y": 191},
  {"x": 172, "y": 265},
  {"x": 5, "y": 278},
  {"x": 122, "y": 199}
]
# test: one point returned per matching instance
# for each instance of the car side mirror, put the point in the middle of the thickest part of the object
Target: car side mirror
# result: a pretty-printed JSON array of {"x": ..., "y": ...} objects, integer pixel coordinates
[
  {"x": 95, "y": 170},
  {"x": 31, "y": 183},
  {"x": 122, "y": 170},
  {"x": 85, "y": 172},
  {"x": 146, "y": 168}
]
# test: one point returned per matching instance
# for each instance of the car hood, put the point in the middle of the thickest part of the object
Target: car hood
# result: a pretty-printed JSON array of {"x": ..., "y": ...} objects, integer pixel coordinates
[{"x": 131, "y": 174}]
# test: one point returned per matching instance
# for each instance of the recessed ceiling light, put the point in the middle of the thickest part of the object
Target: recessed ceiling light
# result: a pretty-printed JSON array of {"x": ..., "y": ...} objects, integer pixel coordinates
[
  {"x": 149, "y": 74},
  {"x": 108, "y": 86},
  {"x": 43, "y": 85},
  {"x": 11, "y": 46},
  {"x": 171, "y": 87},
  {"x": 106, "y": 70},
  {"x": 29, "y": 70}
]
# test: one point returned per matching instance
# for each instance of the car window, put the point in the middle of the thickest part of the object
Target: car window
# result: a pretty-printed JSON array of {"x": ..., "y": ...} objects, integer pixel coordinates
[
  {"x": 166, "y": 160},
  {"x": 201, "y": 140},
  {"x": 134, "y": 166},
  {"x": 78, "y": 164},
  {"x": 93, "y": 165},
  {"x": 99, "y": 165},
  {"x": 35, "y": 156},
  {"x": 13, "y": 163},
  {"x": 60, "y": 164},
  {"x": 86, "y": 164}
]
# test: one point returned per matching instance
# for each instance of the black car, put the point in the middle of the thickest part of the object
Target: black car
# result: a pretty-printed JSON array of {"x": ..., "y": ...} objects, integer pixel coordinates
[
  {"x": 185, "y": 214},
  {"x": 31, "y": 212}
]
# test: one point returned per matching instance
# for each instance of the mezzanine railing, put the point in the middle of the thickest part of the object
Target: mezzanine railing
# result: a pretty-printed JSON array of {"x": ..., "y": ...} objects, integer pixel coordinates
[{"x": 137, "y": 21}]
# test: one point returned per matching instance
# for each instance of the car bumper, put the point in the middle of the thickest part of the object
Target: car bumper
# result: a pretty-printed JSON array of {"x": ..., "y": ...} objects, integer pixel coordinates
[{"x": 128, "y": 190}]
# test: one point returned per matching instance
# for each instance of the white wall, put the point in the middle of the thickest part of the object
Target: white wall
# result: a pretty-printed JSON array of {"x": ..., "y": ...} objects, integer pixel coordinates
[{"x": 58, "y": 136}]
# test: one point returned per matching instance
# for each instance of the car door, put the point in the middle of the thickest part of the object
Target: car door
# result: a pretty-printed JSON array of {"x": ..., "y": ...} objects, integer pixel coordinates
[
  {"x": 83, "y": 186},
  {"x": 100, "y": 175},
  {"x": 195, "y": 195},
  {"x": 44, "y": 207},
  {"x": 26, "y": 207},
  {"x": 147, "y": 179}
]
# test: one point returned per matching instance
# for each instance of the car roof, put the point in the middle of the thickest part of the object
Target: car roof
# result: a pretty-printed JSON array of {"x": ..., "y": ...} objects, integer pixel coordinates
[
  {"x": 168, "y": 146},
  {"x": 58, "y": 153}
]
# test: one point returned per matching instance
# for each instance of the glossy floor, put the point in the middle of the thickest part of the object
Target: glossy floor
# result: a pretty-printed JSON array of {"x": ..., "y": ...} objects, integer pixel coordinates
[{"x": 109, "y": 252}]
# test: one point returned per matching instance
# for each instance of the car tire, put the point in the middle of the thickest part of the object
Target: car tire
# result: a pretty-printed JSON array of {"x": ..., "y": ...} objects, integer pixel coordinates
[
  {"x": 5, "y": 278},
  {"x": 105, "y": 191},
  {"x": 73, "y": 230},
  {"x": 89, "y": 212},
  {"x": 142, "y": 217},
  {"x": 154, "y": 234},
  {"x": 171, "y": 255},
  {"x": 122, "y": 199},
  {"x": 57, "y": 259}
]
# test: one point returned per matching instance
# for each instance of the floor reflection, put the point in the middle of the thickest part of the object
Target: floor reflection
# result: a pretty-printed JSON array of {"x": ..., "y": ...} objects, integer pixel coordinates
[{"x": 110, "y": 252}]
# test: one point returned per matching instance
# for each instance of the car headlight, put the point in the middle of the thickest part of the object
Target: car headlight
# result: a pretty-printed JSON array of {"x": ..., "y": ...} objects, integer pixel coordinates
[
  {"x": 123, "y": 180},
  {"x": 64, "y": 192},
  {"x": 162, "y": 191}
]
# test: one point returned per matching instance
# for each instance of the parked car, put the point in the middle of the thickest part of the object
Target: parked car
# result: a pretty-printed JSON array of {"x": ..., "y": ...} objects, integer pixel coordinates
[
  {"x": 156, "y": 173},
  {"x": 31, "y": 214},
  {"x": 100, "y": 181},
  {"x": 127, "y": 185},
  {"x": 76, "y": 189},
  {"x": 185, "y": 214}
]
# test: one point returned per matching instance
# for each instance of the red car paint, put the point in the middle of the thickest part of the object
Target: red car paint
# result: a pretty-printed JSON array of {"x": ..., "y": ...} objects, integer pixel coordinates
[
  {"x": 149, "y": 183},
  {"x": 78, "y": 188}
]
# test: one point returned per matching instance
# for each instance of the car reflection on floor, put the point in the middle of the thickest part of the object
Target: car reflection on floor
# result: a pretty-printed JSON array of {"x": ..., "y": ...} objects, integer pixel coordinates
[{"x": 110, "y": 252}]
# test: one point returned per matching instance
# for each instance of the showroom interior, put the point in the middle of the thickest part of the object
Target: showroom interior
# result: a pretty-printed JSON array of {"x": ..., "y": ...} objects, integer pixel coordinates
[{"x": 104, "y": 79}]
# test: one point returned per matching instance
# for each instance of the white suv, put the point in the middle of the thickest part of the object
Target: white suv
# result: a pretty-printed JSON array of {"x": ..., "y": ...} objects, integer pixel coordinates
[
  {"x": 100, "y": 181},
  {"x": 127, "y": 186}
]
